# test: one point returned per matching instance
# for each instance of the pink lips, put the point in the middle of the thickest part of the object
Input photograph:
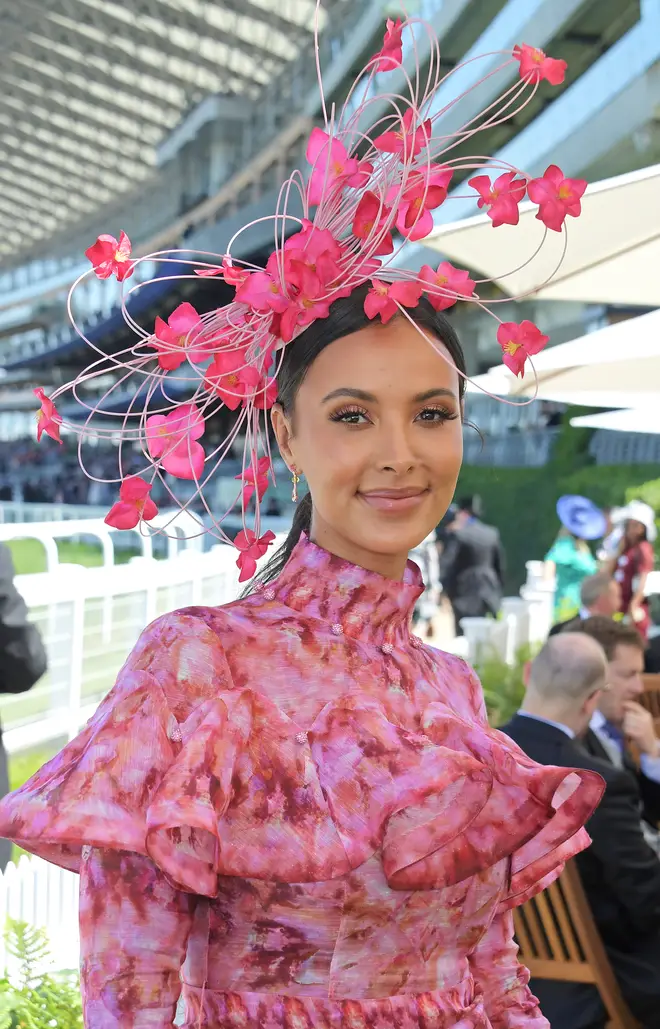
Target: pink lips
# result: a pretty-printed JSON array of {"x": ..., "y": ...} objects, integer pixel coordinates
[{"x": 395, "y": 500}]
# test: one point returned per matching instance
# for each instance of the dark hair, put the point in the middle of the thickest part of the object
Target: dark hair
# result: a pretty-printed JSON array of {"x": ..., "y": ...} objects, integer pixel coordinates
[
  {"x": 472, "y": 505},
  {"x": 610, "y": 634},
  {"x": 346, "y": 317}
]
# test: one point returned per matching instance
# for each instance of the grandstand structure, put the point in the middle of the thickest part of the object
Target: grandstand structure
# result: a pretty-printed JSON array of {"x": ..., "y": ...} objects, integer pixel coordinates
[{"x": 177, "y": 120}]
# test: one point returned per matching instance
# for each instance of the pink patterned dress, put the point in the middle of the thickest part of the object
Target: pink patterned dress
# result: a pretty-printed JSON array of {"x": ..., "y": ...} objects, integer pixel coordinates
[{"x": 295, "y": 813}]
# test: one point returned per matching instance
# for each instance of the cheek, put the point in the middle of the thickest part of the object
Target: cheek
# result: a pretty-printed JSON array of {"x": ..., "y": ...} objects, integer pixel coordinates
[
  {"x": 333, "y": 460},
  {"x": 443, "y": 449}
]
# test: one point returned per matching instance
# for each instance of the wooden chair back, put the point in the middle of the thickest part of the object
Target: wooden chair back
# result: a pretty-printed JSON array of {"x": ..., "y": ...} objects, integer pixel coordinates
[
  {"x": 558, "y": 940},
  {"x": 650, "y": 699}
]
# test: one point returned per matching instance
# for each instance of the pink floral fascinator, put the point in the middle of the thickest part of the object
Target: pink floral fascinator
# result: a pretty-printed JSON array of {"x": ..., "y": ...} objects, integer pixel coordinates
[{"x": 363, "y": 196}]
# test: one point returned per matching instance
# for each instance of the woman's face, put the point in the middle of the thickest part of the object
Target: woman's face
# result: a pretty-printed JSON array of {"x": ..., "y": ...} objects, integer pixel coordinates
[
  {"x": 376, "y": 430},
  {"x": 635, "y": 531}
]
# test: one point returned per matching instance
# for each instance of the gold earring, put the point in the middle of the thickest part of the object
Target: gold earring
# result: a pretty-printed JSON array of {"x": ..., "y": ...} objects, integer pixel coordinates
[{"x": 295, "y": 479}]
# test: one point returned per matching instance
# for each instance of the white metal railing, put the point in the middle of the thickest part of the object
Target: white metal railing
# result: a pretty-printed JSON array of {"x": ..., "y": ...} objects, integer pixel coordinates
[
  {"x": 45, "y": 897},
  {"x": 90, "y": 619},
  {"x": 182, "y": 530}
]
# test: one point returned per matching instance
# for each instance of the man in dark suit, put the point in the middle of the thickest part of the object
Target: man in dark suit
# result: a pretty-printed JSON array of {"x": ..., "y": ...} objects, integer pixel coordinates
[
  {"x": 472, "y": 564},
  {"x": 600, "y": 595},
  {"x": 620, "y": 871},
  {"x": 620, "y": 720},
  {"x": 22, "y": 659}
]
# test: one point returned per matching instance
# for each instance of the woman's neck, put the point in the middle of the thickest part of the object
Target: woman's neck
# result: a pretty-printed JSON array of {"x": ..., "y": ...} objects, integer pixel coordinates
[{"x": 391, "y": 566}]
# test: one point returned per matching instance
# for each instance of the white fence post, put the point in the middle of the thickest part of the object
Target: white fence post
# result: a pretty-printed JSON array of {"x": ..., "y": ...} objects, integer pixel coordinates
[{"x": 46, "y": 897}]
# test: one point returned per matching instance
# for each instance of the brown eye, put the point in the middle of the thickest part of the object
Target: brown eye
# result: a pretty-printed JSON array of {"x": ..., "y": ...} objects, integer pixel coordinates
[
  {"x": 435, "y": 415},
  {"x": 349, "y": 416}
]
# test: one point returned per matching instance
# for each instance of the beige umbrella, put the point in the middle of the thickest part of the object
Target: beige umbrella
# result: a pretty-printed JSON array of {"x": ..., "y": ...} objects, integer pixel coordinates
[
  {"x": 612, "y": 250},
  {"x": 618, "y": 366}
]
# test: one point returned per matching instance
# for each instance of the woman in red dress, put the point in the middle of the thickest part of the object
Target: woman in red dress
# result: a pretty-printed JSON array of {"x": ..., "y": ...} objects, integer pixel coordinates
[{"x": 635, "y": 561}]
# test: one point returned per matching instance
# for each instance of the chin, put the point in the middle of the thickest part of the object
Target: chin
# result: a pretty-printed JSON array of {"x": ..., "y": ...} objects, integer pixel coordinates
[{"x": 392, "y": 539}]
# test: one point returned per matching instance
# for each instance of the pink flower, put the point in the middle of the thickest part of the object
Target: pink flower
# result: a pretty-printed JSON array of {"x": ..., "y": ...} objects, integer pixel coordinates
[
  {"x": 134, "y": 504},
  {"x": 232, "y": 378},
  {"x": 251, "y": 550},
  {"x": 311, "y": 261},
  {"x": 262, "y": 293},
  {"x": 391, "y": 55},
  {"x": 302, "y": 312},
  {"x": 265, "y": 394},
  {"x": 111, "y": 257},
  {"x": 556, "y": 197},
  {"x": 424, "y": 192},
  {"x": 408, "y": 142},
  {"x": 172, "y": 438},
  {"x": 385, "y": 298},
  {"x": 332, "y": 167},
  {"x": 370, "y": 218},
  {"x": 48, "y": 417},
  {"x": 255, "y": 478},
  {"x": 534, "y": 65},
  {"x": 179, "y": 338},
  {"x": 444, "y": 286},
  {"x": 520, "y": 341},
  {"x": 501, "y": 198},
  {"x": 231, "y": 273}
]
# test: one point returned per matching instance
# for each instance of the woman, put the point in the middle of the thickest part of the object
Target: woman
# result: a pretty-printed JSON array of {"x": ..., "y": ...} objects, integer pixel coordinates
[
  {"x": 288, "y": 808},
  {"x": 292, "y": 789},
  {"x": 569, "y": 559},
  {"x": 633, "y": 563}
]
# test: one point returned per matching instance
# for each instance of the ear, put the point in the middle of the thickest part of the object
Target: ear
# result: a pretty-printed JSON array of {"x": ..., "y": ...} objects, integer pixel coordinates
[
  {"x": 526, "y": 671},
  {"x": 283, "y": 430},
  {"x": 591, "y": 703}
]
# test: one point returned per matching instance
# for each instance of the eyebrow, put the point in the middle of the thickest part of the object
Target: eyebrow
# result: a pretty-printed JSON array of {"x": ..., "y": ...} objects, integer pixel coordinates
[{"x": 360, "y": 394}]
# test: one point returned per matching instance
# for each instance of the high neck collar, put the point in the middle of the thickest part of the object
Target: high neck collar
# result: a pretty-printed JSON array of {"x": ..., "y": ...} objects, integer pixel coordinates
[{"x": 352, "y": 600}]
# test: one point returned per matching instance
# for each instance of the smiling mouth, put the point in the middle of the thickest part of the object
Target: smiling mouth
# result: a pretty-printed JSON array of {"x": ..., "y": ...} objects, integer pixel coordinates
[{"x": 395, "y": 500}]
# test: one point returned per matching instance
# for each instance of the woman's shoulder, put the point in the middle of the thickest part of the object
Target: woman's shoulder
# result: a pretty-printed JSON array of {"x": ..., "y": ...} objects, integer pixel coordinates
[
  {"x": 458, "y": 684},
  {"x": 184, "y": 652}
]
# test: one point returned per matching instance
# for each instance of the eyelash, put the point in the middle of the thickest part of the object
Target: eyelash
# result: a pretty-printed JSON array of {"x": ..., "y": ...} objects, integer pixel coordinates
[{"x": 344, "y": 413}]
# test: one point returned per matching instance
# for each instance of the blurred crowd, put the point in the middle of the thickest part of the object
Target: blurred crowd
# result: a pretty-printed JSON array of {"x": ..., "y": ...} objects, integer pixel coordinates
[
  {"x": 51, "y": 474},
  {"x": 595, "y": 552}
]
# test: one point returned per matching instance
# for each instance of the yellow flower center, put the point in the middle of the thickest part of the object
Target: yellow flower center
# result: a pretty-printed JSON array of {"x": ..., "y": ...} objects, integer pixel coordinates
[
  {"x": 232, "y": 380},
  {"x": 564, "y": 192},
  {"x": 511, "y": 348},
  {"x": 538, "y": 56},
  {"x": 120, "y": 256},
  {"x": 441, "y": 280}
]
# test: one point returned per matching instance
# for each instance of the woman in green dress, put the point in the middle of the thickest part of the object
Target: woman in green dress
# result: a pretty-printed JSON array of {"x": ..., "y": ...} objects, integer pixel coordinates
[{"x": 570, "y": 557}]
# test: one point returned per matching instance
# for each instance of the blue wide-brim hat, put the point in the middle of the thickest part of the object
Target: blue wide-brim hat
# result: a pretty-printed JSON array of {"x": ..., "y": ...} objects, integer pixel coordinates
[{"x": 581, "y": 517}]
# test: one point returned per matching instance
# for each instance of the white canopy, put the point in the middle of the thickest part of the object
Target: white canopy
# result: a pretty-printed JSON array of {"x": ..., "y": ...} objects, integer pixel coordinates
[
  {"x": 612, "y": 249},
  {"x": 618, "y": 366},
  {"x": 645, "y": 420}
]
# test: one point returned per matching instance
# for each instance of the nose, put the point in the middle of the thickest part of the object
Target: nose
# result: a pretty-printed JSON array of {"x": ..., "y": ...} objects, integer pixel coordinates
[
  {"x": 637, "y": 686},
  {"x": 395, "y": 453}
]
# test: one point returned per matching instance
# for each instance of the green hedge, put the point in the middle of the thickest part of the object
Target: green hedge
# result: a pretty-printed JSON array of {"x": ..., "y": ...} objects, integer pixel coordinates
[{"x": 521, "y": 501}]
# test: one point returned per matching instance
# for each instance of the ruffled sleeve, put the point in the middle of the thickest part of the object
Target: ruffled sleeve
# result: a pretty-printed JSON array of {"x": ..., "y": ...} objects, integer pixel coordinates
[
  {"x": 535, "y": 814},
  {"x": 207, "y": 779},
  {"x": 237, "y": 788}
]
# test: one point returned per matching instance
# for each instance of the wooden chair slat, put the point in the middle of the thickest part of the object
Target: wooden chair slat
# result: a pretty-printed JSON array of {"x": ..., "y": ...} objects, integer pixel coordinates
[
  {"x": 556, "y": 949},
  {"x": 523, "y": 937},
  {"x": 567, "y": 929},
  {"x": 535, "y": 925}
]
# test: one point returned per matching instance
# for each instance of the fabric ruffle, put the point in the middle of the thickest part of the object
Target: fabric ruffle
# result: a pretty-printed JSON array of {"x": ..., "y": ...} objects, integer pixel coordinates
[
  {"x": 238, "y": 789},
  {"x": 535, "y": 813}
]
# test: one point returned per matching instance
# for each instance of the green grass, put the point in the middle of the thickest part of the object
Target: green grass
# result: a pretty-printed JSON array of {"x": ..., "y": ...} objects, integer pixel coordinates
[
  {"x": 30, "y": 557},
  {"x": 27, "y": 762}
]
